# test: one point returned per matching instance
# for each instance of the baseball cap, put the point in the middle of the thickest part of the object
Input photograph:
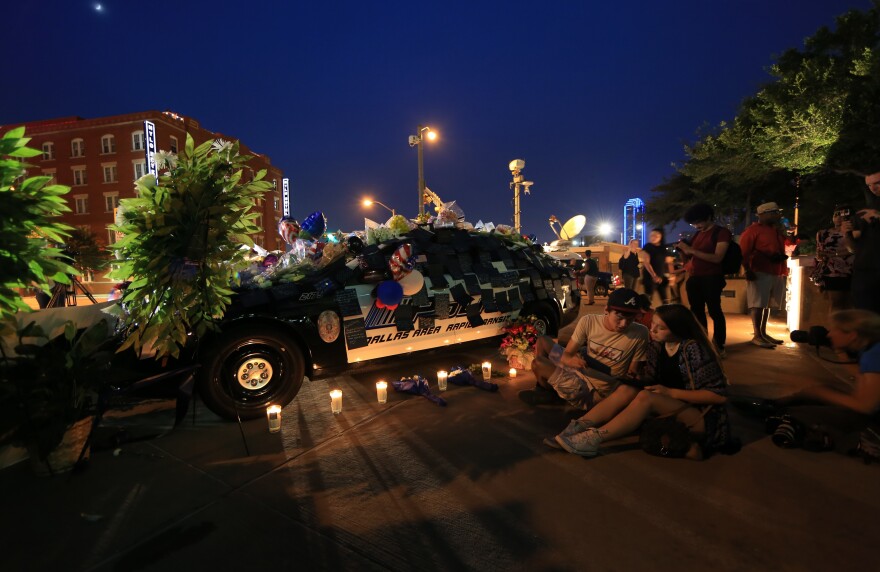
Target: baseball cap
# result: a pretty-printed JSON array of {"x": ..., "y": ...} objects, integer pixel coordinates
[
  {"x": 624, "y": 300},
  {"x": 768, "y": 208}
]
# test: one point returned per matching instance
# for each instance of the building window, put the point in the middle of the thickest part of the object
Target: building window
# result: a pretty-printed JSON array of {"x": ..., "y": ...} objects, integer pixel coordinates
[
  {"x": 137, "y": 141},
  {"x": 48, "y": 151},
  {"x": 53, "y": 180},
  {"x": 173, "y": 144},
  {"x": 108, "y": 144},
  {"x": 81, "y": 204},
  {"x": 77, "y": 148},
  {"x": 79, "y": 176},
  {"x": 140, "y": 169},
  {"x": 110, "y": 173},
  {"x": 276, "y": 204},
  {"x": 111, "y": 201},
  {"x": 111, "y": 236}
]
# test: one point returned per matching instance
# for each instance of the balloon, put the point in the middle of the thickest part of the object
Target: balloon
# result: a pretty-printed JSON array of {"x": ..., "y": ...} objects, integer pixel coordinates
[
  {"x": 389, "y": 294},
  {"x": 402, "y": 261},
  {"x": 412, "y": 283},
  {"x": 289, "y": 229},
  {"x": 270, "y": 260},
  {"x": 355, "y": 244},
  {"x": 314, "y": 225}
]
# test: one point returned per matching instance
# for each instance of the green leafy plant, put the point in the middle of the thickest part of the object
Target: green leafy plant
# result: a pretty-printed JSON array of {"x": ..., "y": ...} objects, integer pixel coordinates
[
  {"x": 181, "y": 243},
  {"x": 29, "y": 226}
]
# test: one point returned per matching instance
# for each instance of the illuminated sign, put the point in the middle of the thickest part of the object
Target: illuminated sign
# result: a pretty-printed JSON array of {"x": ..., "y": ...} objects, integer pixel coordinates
[
  {"x": 285, "y": 196},
  {"x": 150, "y": 148}
]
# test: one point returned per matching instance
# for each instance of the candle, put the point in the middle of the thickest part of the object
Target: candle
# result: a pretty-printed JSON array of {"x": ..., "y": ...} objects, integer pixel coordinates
[
  {"x": 382, "y": 391},
  {"x": 487, "y": 370},
  {"x": 512, "y": 372},
  {"x": 442, "y": 376},
  {"x": 336, "y": 401},
  {"x": 273, "y": 414}
]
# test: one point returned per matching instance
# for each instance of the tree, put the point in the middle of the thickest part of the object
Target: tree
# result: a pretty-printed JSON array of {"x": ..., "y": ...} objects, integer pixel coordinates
[{"x": 89, "y": 257}]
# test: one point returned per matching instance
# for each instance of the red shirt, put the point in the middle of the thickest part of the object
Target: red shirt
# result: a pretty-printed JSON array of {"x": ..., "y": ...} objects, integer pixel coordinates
[
  {"x": 705, "y": 241},
  {"x": 758, "y": 242}
]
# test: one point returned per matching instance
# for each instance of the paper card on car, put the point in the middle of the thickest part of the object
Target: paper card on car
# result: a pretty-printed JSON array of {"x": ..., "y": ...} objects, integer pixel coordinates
[
  {"x": 460, "y": 295},
  {"x": 487, "y": 297},
  {"x": 403, "y": 318},
  {"x": 348, "y": 302},
  {"x": 441, "y": 305},
  {"x": 355, "y": 334},
  {"x": 473, "y": 315}
]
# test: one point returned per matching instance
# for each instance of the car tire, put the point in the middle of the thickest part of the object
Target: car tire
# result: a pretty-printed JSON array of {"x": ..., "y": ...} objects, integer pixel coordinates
[
  {"x": 547, "y": 318},
  {"x": 600, "y": 290},
  {"x": 248, "y": 368}
]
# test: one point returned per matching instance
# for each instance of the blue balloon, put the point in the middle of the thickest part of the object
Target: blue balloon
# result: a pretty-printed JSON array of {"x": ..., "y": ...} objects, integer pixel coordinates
[
  {"x": 314, "y": 225},
  {"x": 390, "y": 293}
]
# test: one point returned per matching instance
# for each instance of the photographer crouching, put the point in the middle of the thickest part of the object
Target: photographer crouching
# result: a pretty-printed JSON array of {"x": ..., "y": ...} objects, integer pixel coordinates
[{"x": 852, "y": 334}]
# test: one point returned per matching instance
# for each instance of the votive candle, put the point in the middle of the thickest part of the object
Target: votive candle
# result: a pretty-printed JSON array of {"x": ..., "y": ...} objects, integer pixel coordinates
[
  {"x": 382, "y": 391},
  {"x": 487, "y": 370},
  {"x": 442, "y": 377},
  {"x": 336, "y": 401},
  {"x": 273, "y": 414},
  {"x": 512, "y": 372}
]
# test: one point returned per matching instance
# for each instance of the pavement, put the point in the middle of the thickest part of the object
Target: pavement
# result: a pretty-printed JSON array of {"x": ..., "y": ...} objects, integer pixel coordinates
[{"x": 409, "y": 485}]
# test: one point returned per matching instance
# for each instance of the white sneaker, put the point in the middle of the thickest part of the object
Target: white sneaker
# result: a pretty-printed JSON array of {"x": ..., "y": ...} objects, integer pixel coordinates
[
  {"x": 586, "y": 443},
  {"x": 762, "y": 343},
  {"x": 576, "y": 426}
]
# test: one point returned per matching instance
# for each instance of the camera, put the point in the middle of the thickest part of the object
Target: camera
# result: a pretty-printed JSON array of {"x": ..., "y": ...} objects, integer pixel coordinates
[
  {"x": 816, "y": 336},
  {"x": 845, "y": 214},
  {"x": 787, "y": 432}
]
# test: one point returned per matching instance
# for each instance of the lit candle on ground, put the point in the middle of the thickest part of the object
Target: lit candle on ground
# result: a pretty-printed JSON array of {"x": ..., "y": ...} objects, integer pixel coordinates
[
  {"x": 442, "y": 376},
  {"x": 336, "y": 401},
  {"x": 487, "y": 370},
  {"x": 513, "y": 372},
  {"x": 382, "y": 391},
  {"x": 273, "y": 413}
]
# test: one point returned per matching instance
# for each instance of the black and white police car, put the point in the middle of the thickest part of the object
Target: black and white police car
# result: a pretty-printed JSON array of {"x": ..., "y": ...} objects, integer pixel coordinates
[{"x": 474, "y": 282}]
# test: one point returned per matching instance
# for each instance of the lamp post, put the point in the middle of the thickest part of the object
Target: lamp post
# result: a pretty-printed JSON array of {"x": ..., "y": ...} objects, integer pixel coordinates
[
  {"x": 417, "y": 140},
  {"x": 370, "y": 202},
  {"x": 516, "y": 166}
]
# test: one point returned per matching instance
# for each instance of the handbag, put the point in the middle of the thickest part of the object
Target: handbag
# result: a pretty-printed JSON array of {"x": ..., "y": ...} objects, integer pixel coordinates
[{"x": 666, "y": 436}]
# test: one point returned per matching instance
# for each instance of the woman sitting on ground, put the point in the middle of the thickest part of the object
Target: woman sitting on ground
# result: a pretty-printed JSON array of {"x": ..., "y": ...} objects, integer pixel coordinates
[
  {"x": 856, "y": 333},
  {"x": 685, "y": 379}
]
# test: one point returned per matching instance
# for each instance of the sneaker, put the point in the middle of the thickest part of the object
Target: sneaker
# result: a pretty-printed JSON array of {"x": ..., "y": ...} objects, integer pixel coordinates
[
  {"x": 762, "y": 343},
  {"x": 722, "y": 353},
  {"x": 772, "y": 340},
  {"x": 585, "y": 443},
  {"x": 540, "y": 397},
  {"x": 576, "y": 426},
  {"x": 551, "y": 442}
]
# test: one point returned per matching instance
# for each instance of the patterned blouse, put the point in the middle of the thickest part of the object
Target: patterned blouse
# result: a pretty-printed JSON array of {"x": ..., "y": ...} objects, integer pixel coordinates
[
  {"x": 836, "y": 260},
  {"x": 707, "y": 374}
]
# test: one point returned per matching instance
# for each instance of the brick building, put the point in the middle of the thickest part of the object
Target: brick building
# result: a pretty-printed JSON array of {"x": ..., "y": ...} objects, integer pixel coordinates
[{"x": 99, "y": 159}]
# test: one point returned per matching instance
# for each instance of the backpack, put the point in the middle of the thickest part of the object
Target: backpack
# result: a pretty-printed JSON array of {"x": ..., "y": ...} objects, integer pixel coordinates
[{"x": 733, "y": 258}]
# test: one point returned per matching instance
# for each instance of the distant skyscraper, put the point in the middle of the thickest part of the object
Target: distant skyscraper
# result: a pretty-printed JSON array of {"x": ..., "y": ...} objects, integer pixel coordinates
[{"x": 634, "y": 221}]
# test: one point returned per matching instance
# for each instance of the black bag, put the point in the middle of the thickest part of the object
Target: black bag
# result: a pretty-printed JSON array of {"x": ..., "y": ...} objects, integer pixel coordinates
[
  {"x": 665, "y": 437},
  {"x": 733, "y": 258}
]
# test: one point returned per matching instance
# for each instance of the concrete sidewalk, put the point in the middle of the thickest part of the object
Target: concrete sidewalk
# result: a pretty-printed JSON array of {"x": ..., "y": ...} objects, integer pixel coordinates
[{"x": 412, "y": 486}]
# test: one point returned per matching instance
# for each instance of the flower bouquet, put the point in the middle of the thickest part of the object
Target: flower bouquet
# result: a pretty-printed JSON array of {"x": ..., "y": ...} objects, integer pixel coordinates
[{"x": 519, "y": 343}]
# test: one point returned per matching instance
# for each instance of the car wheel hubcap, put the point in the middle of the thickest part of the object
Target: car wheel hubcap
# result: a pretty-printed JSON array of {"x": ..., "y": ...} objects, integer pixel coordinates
[{"x": 254, "y": 373}]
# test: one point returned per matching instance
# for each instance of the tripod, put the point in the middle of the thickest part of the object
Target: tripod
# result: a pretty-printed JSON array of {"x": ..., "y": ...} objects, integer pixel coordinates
[{"x": 69, "y": 293}]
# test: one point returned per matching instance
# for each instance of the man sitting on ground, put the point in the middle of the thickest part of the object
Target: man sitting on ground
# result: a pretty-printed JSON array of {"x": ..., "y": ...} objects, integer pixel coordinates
[{"x": 602, "y": 349}]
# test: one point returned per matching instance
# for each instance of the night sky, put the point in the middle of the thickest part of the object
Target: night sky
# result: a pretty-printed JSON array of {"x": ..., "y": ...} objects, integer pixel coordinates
[{"x": 597, "y": 97}]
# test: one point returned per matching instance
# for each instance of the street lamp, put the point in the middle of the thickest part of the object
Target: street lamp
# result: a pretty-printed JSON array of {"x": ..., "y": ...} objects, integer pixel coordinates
[
  {"x": 604, "y": 229},
  {"x": 516, "y": 166},
  {"x": 370, "y": 202},
  {"x": 416, "y": 140}
]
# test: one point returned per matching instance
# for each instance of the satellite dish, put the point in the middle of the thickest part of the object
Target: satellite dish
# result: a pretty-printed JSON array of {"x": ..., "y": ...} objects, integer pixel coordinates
[{"x": 572, "y": 227}]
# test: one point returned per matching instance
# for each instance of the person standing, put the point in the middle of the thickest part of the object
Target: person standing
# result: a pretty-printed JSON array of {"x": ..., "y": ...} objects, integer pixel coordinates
[
  {"x": 590, "y": 274},
  {"x": 705, "y": 276},
  {"x": 833, "y": 272},
  {"x": 763, "y": 249},
  {"x": 628, "y": 265},
  {"x": 653, "y": 259},
  {"x": 863, "y": 239}
]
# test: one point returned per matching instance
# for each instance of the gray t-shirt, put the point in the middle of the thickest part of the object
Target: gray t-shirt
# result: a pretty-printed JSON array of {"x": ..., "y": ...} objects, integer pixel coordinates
[{"x": 616, "y": 350}]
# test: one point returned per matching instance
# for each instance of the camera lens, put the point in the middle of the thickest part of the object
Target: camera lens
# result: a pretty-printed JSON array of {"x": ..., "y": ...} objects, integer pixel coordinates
[{"x": 787, "y": 435}]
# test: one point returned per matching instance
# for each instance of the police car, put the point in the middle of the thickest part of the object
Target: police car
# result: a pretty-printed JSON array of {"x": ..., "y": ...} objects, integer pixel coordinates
[{"x": 474, "y": 282}]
